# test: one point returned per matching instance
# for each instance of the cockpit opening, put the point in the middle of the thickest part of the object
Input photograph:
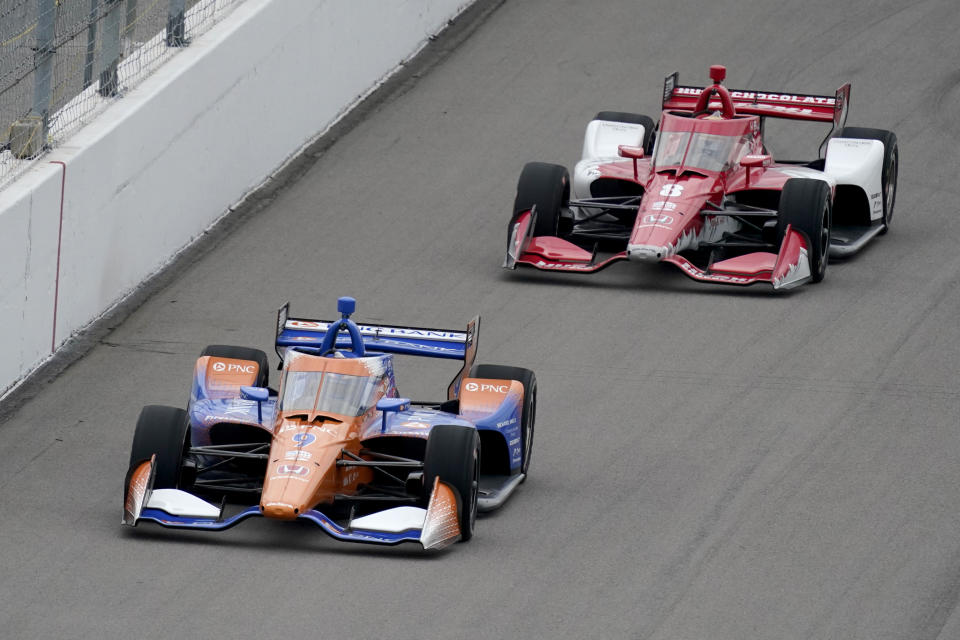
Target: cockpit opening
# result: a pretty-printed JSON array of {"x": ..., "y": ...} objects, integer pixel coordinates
[
  {"x": 314, "y": 392},
  {"x": 695, "y": 150}
]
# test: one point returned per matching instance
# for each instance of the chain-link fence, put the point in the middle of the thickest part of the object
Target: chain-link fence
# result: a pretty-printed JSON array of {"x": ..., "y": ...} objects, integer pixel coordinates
[{"x": 63, "y": 60}]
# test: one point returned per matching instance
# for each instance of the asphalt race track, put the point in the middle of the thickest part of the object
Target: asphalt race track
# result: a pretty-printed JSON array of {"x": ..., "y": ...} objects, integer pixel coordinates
[{"x": 709, "y": 462}]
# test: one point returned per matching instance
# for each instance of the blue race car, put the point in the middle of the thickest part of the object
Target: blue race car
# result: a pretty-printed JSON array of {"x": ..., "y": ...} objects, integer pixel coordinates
[{"x": 336, "y": 444}]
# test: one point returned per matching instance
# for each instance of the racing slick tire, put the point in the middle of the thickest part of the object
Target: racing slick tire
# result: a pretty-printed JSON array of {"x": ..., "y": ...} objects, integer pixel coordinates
[
  {"x": 805, "y": 205},
  {"x": 547, "y": 187},
  {"x": 164, "y": 431},
  {"x": 891, "y": 165},
  {"x": 632, "y": 118},
  {"x": 528, "y": 419},
  {"x": 242, "y": 353},
  {"x": 453, "y": 454}
]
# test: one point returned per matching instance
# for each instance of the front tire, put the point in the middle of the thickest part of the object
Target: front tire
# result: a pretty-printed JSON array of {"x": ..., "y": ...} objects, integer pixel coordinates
[
  {"x": 891, "y": 165},
  {"x": 528, "y": 418},
  {"x": 453, "y": 455},
  {"x": 164, "y": 432},
  {"x": 806, "y": 206},
  {"x": 546, "y": 187}
]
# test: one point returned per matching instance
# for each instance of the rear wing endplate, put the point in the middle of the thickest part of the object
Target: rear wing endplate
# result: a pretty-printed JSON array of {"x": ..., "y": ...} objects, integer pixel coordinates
[
  {"x": 793, "y": 106},
  {"x": 412, "y": 341}
]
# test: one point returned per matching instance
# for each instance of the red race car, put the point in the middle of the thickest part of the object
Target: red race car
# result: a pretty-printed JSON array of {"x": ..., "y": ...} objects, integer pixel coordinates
[{"x": 700, "y": 190}]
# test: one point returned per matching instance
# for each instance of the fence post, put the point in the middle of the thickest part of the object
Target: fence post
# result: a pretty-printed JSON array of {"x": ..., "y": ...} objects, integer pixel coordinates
[
  {"x": 110, "y": 53},
  {"x": 131, "y": 21},
  {"x": 28, "y": 135},
  {"x": 128, "y": 39},
  {"x": 176, "y": 27},
  {"x": 91, "y": 44},
  {"x": 43, "y": 61}
]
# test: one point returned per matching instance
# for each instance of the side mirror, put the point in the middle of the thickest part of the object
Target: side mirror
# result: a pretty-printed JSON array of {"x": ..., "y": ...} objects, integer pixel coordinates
[
  {"x": 753, "y": 160},
  {"x": 756, "y": 160},
  {"x": 391, "y": 405},
  {"x": 256, "y": 393},
  {"x": 626, "y": 151},
  {"x": 634, "y": 153}
]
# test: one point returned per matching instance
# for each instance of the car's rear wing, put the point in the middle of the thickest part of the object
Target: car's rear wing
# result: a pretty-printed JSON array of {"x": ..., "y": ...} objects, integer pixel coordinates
[
  {"x": 794, "y": 106},
  {"x": 413, "y": 341}
]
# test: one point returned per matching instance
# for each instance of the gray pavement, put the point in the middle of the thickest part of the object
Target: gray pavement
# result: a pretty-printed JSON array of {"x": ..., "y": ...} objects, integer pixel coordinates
[{"x": 709, "y": 462}]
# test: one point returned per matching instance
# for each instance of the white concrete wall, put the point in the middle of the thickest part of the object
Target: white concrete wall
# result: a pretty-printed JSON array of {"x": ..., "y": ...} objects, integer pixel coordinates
[
  {"x": 167, "y": 160},
  {"x": 29, "y": 223}
]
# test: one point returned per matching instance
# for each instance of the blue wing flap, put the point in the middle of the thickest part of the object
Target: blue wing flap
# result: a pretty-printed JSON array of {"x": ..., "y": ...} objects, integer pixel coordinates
[
  {"x": 406, "y": 346},
  {"x": 416, "y": 341}
]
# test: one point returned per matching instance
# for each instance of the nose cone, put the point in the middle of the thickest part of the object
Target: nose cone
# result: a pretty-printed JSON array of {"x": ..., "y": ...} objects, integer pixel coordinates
[
  {"x": 655, "y": 234},
  {"x": 279, "y": 510},
  {"x": 647, "y": 253}
]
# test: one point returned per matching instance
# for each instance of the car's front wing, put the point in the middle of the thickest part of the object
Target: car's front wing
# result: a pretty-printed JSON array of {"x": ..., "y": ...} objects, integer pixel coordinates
[
  {"x": 784, "y": 270},
  {"x": 434, "y": 527}
]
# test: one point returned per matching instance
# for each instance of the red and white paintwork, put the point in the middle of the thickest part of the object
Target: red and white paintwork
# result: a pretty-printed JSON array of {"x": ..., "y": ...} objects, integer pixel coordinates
[{"x": 670, "y": 220}]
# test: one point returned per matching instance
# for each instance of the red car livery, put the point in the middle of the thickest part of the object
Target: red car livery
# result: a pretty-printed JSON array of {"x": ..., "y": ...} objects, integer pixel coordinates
[{"x": 699, "y": 190}]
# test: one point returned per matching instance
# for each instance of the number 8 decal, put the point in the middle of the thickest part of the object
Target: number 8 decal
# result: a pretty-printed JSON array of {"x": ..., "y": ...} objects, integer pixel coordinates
[
  {"x": 672, "y": 190},
  {"x": 303, "y": 439}
]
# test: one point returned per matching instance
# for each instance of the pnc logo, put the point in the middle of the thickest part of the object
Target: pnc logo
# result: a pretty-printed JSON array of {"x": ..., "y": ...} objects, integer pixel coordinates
[
  {"x": 496, "y": 388},
  {"x": 220, "y": 367},
  {"x": 658, "y": 218}
]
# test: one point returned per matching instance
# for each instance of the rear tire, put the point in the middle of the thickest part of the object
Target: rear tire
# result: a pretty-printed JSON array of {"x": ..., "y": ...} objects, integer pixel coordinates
[
  {"x": 453, "y": 455},
  {"x": 546, "y": 187},
  {"x": 528, "y": 418},
  {"x": 805, "y": 205},
  {"x": 632, "y": 118},
  {"x": 242, "y": 353},
  {"x": 164, "y": 432},
  {"x": 891, "y": 165}
]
